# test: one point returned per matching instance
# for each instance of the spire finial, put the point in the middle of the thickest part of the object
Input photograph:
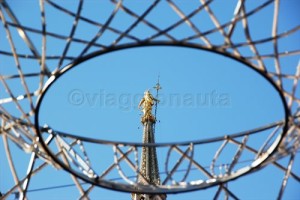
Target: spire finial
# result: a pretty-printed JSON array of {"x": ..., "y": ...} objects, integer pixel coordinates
[{"x": 157, "y": 86}]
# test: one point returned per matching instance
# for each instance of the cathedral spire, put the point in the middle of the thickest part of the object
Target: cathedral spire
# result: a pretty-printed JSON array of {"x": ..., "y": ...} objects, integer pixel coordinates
[{"x": 149, "y": 172}]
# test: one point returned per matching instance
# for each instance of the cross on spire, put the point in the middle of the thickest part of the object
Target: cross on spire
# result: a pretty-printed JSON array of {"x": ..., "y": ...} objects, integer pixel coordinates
[{"x": 157, "y": 86}]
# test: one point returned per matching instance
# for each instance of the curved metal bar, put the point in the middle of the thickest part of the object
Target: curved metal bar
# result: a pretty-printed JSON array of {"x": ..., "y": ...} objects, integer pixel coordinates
[
  {"x": 217, "y": 154},
  {"x": 191, "y": 149},
  {"x": 119, "y": 168}
]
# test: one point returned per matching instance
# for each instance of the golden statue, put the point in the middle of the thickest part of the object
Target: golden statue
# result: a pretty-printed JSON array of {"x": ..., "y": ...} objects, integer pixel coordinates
[{"x": 146, "y": 105}]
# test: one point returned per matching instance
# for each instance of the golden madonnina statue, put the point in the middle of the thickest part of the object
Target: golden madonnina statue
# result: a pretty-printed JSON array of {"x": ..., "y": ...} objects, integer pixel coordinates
[{"x": 146, "y": 105}]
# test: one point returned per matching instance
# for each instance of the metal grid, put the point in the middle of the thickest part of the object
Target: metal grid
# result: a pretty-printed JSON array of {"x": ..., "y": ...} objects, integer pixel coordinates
[{"x": 19, "y": 107}]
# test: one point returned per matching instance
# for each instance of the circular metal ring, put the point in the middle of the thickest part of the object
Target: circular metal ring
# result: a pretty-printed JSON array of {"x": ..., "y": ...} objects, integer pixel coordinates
[{"x": 157, "y": 189}]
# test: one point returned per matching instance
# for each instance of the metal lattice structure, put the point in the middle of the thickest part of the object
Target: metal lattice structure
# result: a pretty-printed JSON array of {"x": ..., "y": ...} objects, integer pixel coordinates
[{"x": 20, "y": 100}]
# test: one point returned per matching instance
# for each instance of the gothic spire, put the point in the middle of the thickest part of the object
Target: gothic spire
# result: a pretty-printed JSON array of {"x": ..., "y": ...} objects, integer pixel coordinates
[{"x": 149, "y": 172}]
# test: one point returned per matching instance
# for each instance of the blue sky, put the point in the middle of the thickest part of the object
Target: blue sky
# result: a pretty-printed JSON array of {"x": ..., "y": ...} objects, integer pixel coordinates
[{"x": 204, "y": 95}]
